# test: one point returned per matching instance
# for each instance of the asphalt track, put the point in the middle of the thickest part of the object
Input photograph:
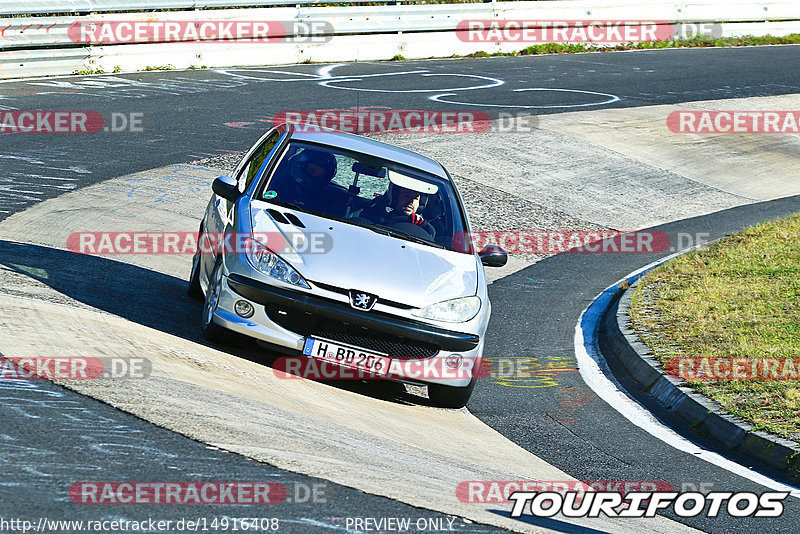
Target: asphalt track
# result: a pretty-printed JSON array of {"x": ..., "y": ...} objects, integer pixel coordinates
[
  {"x": 563, "y": 420},
  {"x": 189, "y": 114},
  {"x": 53, "y": 437}
]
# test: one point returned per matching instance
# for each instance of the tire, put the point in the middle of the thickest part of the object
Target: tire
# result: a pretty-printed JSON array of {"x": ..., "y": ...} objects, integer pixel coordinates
[
  {"x": 210, "y": 330},
  {"x": 194, "y": 290},
  {"x": 450, "y": 396}
]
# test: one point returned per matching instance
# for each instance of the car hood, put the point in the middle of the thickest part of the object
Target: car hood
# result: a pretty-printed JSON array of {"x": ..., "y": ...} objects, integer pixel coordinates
[{"x": 358, "y": 258}]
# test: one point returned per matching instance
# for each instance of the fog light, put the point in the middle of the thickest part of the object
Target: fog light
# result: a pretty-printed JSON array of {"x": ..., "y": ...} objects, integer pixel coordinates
[
  {"x": 453, "y": 361},
  {"x": 244, "y": 308}
]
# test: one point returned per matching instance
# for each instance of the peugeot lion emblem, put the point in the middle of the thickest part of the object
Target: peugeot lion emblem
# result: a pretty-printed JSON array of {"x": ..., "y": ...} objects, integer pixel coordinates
[{"x": 361, "y": 300}]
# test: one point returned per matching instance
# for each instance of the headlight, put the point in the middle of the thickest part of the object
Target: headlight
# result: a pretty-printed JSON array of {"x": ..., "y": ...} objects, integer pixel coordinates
[
  {"x": 273, "y": 265},
  {"x": 452, "y": 311}
]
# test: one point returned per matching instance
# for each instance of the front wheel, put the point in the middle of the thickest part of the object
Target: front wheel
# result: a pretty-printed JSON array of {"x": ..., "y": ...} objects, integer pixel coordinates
[
  {"x": 194, "y": 290},
  {"x": 212, "y": 331},
  {"x": 450, "y": 396}
]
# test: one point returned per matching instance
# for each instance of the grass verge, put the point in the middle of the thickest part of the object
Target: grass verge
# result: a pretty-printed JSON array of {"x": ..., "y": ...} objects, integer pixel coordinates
[
  {"x": 700, "y": 41},
  {"x": 738, "y": 298}
]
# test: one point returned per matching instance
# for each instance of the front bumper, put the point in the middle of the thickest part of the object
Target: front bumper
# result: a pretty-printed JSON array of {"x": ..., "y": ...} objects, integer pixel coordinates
[{"x": 264, "y": 325}]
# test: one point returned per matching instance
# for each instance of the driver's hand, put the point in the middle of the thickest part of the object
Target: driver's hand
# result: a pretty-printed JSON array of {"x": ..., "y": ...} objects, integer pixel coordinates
[{"x": 417, "y": 219}]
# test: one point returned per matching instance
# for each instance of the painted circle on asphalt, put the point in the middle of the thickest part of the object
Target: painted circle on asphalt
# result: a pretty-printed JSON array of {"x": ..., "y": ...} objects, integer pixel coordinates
[
  {"x": 376, "y": 83},
  {"x": 593, "y": 98},
  {"x": 484, "y": 83}
]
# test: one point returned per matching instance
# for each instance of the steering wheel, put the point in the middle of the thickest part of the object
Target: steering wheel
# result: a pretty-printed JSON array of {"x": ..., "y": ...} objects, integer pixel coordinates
[{"x": 403, "y": 223}]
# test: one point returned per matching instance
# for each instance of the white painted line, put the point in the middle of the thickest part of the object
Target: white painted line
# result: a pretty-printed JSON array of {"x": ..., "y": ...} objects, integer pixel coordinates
[
  {"x": 595, "y": 372},
  {"x": 611, "y": 98},
  {"x": 322, "y": 74}
]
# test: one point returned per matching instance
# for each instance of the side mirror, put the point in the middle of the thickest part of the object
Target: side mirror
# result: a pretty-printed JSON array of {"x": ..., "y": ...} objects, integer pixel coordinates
[
  {"x": 226, "y": 187},
  {"x": 493, "y": 256}
]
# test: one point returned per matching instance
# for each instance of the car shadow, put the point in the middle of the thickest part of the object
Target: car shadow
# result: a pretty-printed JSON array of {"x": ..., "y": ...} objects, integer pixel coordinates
[
  {"x": 151, "y": 299},
  {"x": 555, "y": 525}
]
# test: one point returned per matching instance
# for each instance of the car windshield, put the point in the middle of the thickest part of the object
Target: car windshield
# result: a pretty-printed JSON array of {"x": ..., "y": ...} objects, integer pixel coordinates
[{"x": 381, "y": 195}]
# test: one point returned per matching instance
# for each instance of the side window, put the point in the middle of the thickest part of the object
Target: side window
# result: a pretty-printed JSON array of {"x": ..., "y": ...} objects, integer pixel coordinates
[{"x": 250, "y": 169}]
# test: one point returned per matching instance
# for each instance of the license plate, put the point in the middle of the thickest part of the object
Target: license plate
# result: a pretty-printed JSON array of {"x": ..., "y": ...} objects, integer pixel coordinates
[{"x": 347, "y": 355}]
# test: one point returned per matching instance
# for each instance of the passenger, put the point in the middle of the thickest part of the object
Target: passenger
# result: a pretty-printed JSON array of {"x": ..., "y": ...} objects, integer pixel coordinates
[{"x": 307, "y": 179}]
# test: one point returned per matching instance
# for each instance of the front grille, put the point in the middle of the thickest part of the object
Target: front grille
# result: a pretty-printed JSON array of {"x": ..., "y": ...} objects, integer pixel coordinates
[
  {"x": 306, "y": 324},
  {"x": 343, "y": 291}
]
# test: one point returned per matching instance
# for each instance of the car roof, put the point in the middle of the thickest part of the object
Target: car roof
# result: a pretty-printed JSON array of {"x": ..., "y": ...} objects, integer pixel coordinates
[{"x": 364, "y": 145}]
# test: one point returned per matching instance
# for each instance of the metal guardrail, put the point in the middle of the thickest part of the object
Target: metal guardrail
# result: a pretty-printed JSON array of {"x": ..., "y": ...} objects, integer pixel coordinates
[
  {"x": 38, "y": 7},
  {"x": 44, "y": 32},
  {"x": 26, "y": 43},
  {"x": 708, "y": 9},
  {"x": 53, "y": 32}
]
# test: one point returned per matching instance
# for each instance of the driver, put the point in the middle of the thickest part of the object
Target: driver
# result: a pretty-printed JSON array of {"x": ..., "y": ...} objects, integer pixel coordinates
[
  {"x": 310, "y": 172},
  {"x": 403, "y": 203},
  {"x": 406, "y": 202}
]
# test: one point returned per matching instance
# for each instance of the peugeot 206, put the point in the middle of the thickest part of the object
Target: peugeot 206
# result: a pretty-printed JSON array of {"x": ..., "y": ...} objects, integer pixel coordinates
[{"x": 341, "y": 248}]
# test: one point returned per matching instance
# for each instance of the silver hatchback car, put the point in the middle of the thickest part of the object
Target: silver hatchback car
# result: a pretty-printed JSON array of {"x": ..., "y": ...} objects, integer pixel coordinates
[{"x": 348, "y": 253}]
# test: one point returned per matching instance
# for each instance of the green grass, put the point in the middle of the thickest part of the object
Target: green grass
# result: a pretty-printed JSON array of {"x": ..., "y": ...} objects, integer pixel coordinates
[
  {"x": 738, "y": 298},
  {"x": 90, "y": 71},
  {"x": 692, "y": 42}
]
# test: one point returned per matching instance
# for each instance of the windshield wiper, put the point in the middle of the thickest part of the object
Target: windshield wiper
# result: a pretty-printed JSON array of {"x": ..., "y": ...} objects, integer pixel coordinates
[{"x": 385, "y": 230}]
